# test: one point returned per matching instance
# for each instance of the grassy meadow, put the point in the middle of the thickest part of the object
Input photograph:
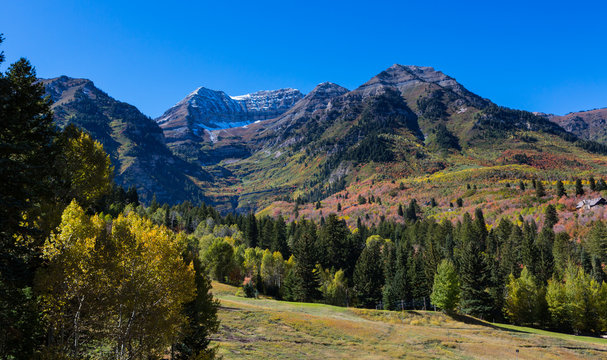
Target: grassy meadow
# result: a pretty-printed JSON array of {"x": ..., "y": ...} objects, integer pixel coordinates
[{"x": 269, "y": 329}]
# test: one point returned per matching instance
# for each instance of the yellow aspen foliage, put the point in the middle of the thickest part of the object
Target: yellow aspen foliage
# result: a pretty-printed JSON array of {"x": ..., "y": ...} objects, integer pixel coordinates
[{"x": 121, "y": 285}]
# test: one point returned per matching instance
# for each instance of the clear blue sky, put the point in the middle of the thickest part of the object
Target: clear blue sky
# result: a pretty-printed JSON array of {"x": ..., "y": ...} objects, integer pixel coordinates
[{"x": 548, "y": 56}]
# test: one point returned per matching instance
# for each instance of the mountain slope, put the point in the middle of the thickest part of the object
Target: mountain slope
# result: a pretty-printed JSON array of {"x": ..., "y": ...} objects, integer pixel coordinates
[
  {"x": 406, "y": 121},
  {"x": 134, "y": 142},
  {"x": 589, "y": 125}
]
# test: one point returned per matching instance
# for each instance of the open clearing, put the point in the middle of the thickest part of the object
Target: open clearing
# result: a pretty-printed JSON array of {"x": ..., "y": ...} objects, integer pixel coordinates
[{"x": 270, "y": 329}]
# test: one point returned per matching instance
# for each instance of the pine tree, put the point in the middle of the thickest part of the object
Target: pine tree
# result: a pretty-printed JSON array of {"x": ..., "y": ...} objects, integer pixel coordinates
[
  {"x": 540, "y": 192},
  {"x": 279, "y": 238},
  {"x": 545, "y": 260},
  {"x": 592, "y": 184},
  {"x": 27, "y": 156},
  {"x": 369, "y": 275},
  {"x": 201, "y": 319},
  {"x": 333, "y": 239},
  {"x": 579, "y": 188},
  {"x": 459, "y": 202},
  {"x": 521, "y": 185},
  {"x": 433, "y": 202},
  {"x": 306, "y": 257},
  {"x": 412, "y": 210},
  {"x": 550, "y": 216},
  {"x": 400, "y": 210},
  {"x": 528, "y": 249},
  {"x": 560, "y": 189},
  {"x": 474, "y": 276},
  {"x": 251, "y": 233},
  {"x": 562, "y": 253},
  {"x": 510, "y": 251},
  {"x": 480, "y": 228}
]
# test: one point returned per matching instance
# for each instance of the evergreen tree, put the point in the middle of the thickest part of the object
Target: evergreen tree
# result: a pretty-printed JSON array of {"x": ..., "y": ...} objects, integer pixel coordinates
[
  {"x": 201, "y": 317},
  {"x": 521, "y": 185},
  {"x": 279, "y": 238},
  {"x": 474, "y": 276},
  {"x": 528, "y": 249},
  {"x": 412, "y": 211},
  {"x": 579, "y": 188},
  {"x": 480, "y": 228},
  {"x": 550, "y": 216},
  {"x": 27, "y": 156},
  {"x": 562, "y": 254},
  {"x": 267, "y": 232},
  {"x": 592, "y": 184},
  {"x": 545, "y": 260},
  {"x": 560, "y": 189},
  {"x": 333, "y": 239},
  {"x": 306, "y": 257},
  {"x": 510, "y": 251},
  {"x": 540, "y": 192},
  {"x": 459, "y": 202},
  {"x": 132, "y": 197},
  {"x": 251, "y": 233},
  {"x": 400, "y": 210},
  {"x": 369, "y": 275}
]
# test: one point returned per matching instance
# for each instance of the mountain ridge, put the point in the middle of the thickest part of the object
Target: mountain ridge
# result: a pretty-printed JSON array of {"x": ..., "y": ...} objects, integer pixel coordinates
[{"x": 408, "y": 120}]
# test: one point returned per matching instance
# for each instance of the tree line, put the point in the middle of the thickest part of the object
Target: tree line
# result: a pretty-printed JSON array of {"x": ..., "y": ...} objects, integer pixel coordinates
[{"x": 514, "y": 271}]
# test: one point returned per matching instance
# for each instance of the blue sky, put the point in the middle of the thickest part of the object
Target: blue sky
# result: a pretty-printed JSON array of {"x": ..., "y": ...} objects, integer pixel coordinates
[{"x": 545, "y": 56}]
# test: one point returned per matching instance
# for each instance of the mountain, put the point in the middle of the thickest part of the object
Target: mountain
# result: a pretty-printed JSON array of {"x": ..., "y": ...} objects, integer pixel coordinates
[
  {"x": 206, "y": 109},
  {"x": 188, "y": 125},
  {"x": 589, "y": 125},
  {"x": 135, "y": 142},
  {"x": 407, "y": 122}
]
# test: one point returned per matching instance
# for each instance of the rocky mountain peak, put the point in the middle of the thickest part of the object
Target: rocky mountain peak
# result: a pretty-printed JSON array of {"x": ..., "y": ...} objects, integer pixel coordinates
[
  {"x": 63, "y": 89},
  {"x": 407, "y": 78},
  {"x": 206, "y": 109}
]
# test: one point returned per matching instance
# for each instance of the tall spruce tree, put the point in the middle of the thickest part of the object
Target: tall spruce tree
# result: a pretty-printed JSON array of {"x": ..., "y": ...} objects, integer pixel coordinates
[
  {"x": 306, "y": 258},
  {"x": 279, "y": 238},
  {"x": 27, "y": 155},
  {"x": 333, "y": 239},
  {"x": 550, "y": 216},
  {"x": 369, "y": 274},
  {"x": 201, "y": 318},
  {"x": 251, "y": 232},
  {"x": 474, "y": 276}
]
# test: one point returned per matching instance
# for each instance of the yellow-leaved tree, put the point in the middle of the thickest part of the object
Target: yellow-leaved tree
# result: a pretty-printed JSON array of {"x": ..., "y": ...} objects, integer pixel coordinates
[{"x": 113, "y": 289}]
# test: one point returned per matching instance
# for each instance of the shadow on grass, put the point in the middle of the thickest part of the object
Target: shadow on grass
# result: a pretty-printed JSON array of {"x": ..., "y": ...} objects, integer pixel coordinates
[{"x": 474, "y": 321}]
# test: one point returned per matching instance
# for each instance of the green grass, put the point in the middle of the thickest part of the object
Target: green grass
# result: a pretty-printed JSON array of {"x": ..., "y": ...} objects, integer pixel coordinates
[
  {"x": 269, "y": 329},
  {"x": 588, "y": 339}
]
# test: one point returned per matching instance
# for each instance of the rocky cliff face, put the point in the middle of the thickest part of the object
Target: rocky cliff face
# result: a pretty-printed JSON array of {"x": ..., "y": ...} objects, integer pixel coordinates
[
  {"x": 589, "y": 125},
  {"x": 206, "y": 109},
  {"x": 134, "y": 142}
]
